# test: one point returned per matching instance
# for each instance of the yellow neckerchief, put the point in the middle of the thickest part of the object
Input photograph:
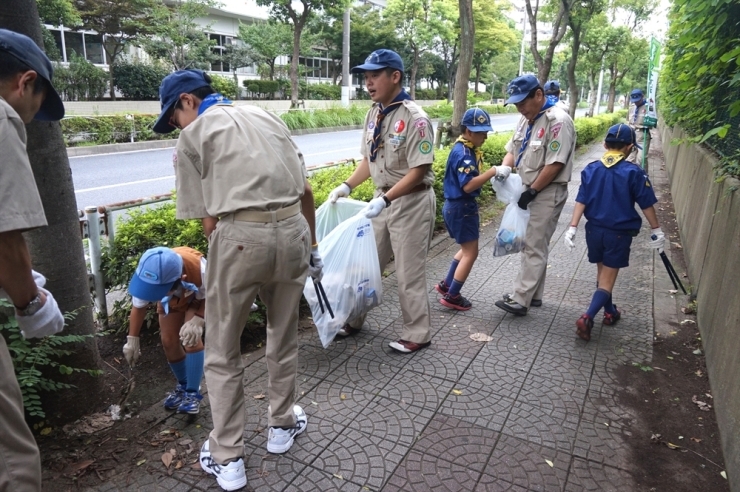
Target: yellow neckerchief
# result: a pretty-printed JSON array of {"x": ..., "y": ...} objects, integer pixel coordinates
[
  {"x": 612, "y": 157},
  {"x": 469, "y": 144}
]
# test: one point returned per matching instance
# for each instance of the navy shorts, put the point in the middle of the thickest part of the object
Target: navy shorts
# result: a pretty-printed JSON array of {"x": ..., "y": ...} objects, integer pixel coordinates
[
  {"x": 612, "y": 248},
  {"x": 462, "y": 220}
]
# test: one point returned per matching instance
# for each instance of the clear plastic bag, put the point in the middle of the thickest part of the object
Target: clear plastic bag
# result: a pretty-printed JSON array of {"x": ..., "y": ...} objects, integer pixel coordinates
[
  {"x": 510, "y": 236},
  {"x": 329, "y": 215},
  {"x": 351, "y": 280},
  {"x": 509, "y": 190}
]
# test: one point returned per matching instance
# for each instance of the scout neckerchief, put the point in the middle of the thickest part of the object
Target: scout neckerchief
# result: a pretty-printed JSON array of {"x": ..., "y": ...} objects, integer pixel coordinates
[
  {"x": 612, "y": 157},
  {"x": 212, "y": 100},
  {"x": 548, "y": 104},
  {"x": 553, "y": 99},
  {"x": 637, "y": 111},
  {"x": 179, "y": 292},
  {"x": 394, "y": 105},
  {"x": 469, "y": 144}
]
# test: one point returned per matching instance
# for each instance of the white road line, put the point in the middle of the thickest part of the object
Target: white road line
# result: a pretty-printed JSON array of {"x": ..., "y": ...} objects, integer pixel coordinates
[{"x": 125, "y": 184}]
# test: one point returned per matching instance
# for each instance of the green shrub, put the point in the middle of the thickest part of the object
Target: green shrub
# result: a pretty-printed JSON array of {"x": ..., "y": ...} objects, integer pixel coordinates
[
  {"x": 81, "y": 81},
  {"x": 324, "y": 118},
  {"x": 224, "y": 85},
  {"x": 138, "y": 81},
  {"x": 439, "y": 111},
  {"x": 426, "y": 94},
  {"x": 110, "y": 129},
  {"x": 325, "y": 92},
  {"x": 262, "y": 89}
]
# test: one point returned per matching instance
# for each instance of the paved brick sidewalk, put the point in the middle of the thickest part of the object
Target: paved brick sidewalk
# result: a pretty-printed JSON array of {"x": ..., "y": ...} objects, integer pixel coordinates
[{"x": 533, "y": 409}]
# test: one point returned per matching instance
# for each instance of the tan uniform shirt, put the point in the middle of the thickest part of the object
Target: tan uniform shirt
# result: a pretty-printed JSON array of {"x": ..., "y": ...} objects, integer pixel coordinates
[
  {"x": 552, "y": 139},
  {"x": 636, "y": 121},
  {"x": 406, "y": 142},
  {"x": 235, "y": 158},
  {"x": 22, "y": 208}
]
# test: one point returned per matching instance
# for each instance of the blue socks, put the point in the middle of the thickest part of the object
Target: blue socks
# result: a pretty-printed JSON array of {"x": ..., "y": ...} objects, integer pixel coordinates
[
  {"x": 455, "y": 288},
  {"x": 599, "y": 300},
  {"x": 178, "y": 369},
  {"x": 451, "y": 273},
  {"x": 609, "y": 306},
  {"x": 194, "y": 368}
]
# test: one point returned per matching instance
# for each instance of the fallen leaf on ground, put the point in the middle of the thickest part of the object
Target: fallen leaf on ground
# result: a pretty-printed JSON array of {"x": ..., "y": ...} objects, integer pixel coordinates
[
  {"x": 687, "y": 321},
  {"x": 141, "y": 462},
  {"x": 696, "y": 439},
  {"x": 45, "y": 431},
  {"x": 259, "y": 397},
  {"x": 336, "y": 475},
  {"x": 342, "y": 396},
  {"x": 655, "y": 438},
  {"x": 659, "y": 368},
  {"x": 673, "y": 291},
  {"x": 549, "y": 463},
  {"x": 481, "y": 337},
  {"x": 699, "y": 373},
  {"x": 178, "y": 465},
  {"x": 680, "y": 437},
  {"x": 697, "y": 352},
  {"x": 672, "y": 446},
  {"x": 709, "y": 396},
  {"x": 703, "y": 406},
  {"x": 724, "y": 474},
  {"x": 167, "y": 459},
  {"x": 77, "y": 467},
  {"x": 457, "y": 392}
]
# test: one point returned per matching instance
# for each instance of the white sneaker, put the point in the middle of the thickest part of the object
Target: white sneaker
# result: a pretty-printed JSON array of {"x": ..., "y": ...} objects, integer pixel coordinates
[
  {"x": 230, "y": 476},
  {"x": 280, "y": 440}
]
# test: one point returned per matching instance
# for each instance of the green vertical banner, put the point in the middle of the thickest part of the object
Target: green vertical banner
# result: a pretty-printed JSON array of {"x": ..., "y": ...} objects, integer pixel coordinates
[{"x": 652, "y": 81}]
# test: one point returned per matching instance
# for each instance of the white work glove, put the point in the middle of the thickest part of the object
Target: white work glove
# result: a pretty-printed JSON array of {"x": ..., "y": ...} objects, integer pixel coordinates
[
  {"x": 192, "y": 331},
  {"x": 570, "y": 235},
  {"x": 374, "y": 207},
  {"x": 658, "y": 239},
  {"x": 254, "y": 307},
  {"x": 45, "y": 322},
  {"x": 502, "y": 172},
  {"x": 131, "y": 350},
  {"x": 340, "y": 191},
  {"x": 315, "y": 265}
]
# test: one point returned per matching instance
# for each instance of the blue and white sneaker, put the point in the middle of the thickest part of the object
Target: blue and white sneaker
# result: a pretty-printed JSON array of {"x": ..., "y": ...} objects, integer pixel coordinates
[
  {"x": 280, "y": 440},
  {"x": 230, "y": 476},
  {"x": 190, "y": 403},
  {"x": 174, "y": 399}
]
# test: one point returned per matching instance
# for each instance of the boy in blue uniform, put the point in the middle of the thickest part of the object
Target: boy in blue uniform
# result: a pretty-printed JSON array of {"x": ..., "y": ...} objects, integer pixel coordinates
[
  {"x": 462, "y": 183},
  {"x": 609, "y": 189}
]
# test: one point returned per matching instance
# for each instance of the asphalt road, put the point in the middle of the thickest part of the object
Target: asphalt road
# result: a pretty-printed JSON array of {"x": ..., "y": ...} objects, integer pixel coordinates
[{"x": 112, "y": 178}]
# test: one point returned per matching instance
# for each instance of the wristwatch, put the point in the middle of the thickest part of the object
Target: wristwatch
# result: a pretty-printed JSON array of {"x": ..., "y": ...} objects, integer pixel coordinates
[
  {"x": 32, "y": 307},
  {"x": 386, "y": 199}
]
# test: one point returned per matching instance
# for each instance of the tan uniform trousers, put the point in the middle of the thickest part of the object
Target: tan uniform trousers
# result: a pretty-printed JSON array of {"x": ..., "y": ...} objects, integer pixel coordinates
[
  {"x": 636, "y": 154},
  {"x": 20, "y": 463},
  {"x": 247, "y": 258},
  {"x": 405, "y": 231},
  {"x": 543, "y": 220}
]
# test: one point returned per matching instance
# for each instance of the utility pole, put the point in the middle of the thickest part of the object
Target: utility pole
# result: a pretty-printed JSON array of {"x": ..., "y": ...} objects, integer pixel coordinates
[
  {"x": 346, "y": 78},
  {"x": 598, "y": 92},
  {"x": 524, "y": 37}
]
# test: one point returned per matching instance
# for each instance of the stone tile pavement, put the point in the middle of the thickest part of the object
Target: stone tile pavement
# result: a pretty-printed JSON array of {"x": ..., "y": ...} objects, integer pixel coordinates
[{"x": 533, "y": 409}]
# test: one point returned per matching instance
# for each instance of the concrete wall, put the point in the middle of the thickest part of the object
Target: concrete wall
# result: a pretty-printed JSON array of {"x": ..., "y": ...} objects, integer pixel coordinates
[{"x": 708, "y": 215}]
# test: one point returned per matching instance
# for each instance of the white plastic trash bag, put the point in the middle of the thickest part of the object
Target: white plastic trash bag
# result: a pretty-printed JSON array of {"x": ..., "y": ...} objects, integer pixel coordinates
[
  {"x": 351, "y": 280},
  {"x": 329, "y": 215},
  {"x": 510, "y": 236}
]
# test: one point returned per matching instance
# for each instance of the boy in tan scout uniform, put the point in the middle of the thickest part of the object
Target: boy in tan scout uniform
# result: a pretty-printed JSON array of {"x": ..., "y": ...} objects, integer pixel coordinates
[
  {"x": 26, "y": 94},
  {"x": 635, "y": 116},
  {"x": 239, "y": 171},
  {"x": 541, "y": 150},
  {"x": 397, "y": 155}
]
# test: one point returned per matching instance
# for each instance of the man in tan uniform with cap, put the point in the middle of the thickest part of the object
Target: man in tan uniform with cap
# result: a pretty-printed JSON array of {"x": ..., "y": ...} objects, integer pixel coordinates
[
  {"x": 239, "y": 171},
  {"x": 541, "y": 150},
  {"x": 397, "y": 155}
]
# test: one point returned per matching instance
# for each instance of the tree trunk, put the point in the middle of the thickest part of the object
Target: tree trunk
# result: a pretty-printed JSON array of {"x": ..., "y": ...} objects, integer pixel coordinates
[
  {"x": 294, "y": 87},
  {"x": 559, "y": 27},
  {"x": 592, "y": 93},
  {"x": 236, "y": 81},
  {"x": 465, "y": 63},
  {"x": 56, "y": 250},
  {"x": 612, "y": 91},
  {"x": 575, "y": 46},
  {"x": 414, "y": 69}
]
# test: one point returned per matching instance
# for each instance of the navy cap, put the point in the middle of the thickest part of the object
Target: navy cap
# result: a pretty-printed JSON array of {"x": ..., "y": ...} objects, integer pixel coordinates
[
  {"x": 378, "y": 59},
  {"x": 622, "y": 133},
  {"x": 636, "y": 95},
  {"x": 476, "y": 120},
  {"x": 520, "y": 87},
  {"x": 28, "y": 52},
  {"x": 182, "y": 81},
  {"x": 552, "y": 87}
]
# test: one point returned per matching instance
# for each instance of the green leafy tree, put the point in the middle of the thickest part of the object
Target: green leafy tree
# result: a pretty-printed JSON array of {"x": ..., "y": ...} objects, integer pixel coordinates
[
  {"x": 237, "y": 56},
  {"x": 120, "y": 21},
  {"x": 268, "y": 41},
  {"x": 445, "y": 23},
  {"x": 56, "y": 12},
  {"x": 177, "y": 38},
  {"x": 626, "y": 62},
  {"x": 600, "y": 38},
  {"x": 555, "y": 12},
  {"x": 493, "y": 34},
  {"x": 287, "y": 12},
  {"x": 370, "y": 32}
]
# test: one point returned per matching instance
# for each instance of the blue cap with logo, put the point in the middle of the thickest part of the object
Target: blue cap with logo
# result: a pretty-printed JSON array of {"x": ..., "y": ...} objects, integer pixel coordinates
[
  {"x": 623, "y": 134},
  {"x": 552, "y": 87},
  {"x": 476, "y": 120},
  {"x": 378, "y": 59},
  {"x": 182, "y": 81},
  {"x": 158, "y": 270},
  {"x": 520, "y": 87},
  {"x": 27, "y": 52},
  {"x": 636, "y": 95}
]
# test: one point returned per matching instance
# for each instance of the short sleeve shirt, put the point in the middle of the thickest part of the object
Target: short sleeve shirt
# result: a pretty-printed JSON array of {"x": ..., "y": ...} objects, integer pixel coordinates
[
  {"x": 636, "y": 115},
  {"x": 406, "y": 142},
  {"x": 22, "y": 208},
  {"x": 234, "y": 158},
  {"x": 552, "y": 139},
  {"x": 462, "y": 166},
  {"x": 194, "y": 266}
]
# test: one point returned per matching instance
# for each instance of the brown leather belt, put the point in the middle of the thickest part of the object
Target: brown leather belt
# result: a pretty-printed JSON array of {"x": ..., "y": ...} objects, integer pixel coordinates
[
  {"x": 266, "y": 217},
  {"x": 415, "y": 189}
]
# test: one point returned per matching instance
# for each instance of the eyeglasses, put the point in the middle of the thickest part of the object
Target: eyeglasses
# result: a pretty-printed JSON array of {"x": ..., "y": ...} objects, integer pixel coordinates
[{"x": 174, "y": 123}]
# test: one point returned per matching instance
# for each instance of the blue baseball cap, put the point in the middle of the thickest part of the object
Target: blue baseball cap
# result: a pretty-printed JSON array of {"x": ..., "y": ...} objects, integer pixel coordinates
[
  {"x": 182, "y": 81},
  {"x": 520, "y": 87},
  {"x": 636, "y": 95},
  {"x": 378, "y": 59},
  {"x": 158, "y": 270},
  {"x": 27, "y": 52},
  {"x": 476, "y": 120},
  {"x": 622, "y": 133},
  {"x": 552, "y": 87}
]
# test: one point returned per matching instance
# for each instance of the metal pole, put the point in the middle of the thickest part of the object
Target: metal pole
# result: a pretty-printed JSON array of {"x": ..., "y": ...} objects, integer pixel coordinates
[
  {"x": 346, "y": 80},
  {"x": 96, "y": 259},
  {"x": 524, "y": 35},
  {"x": 598, "y": 92}
]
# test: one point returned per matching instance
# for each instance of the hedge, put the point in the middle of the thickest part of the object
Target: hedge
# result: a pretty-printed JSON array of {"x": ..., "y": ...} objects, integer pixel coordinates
[{"x": 138, "y": 81}]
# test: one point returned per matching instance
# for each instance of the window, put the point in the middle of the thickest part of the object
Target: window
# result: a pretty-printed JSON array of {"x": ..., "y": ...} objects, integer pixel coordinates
[
  {"x": 73, "y": 41},
  {"x": 94, "y": 48},
  {"x": 58, "y": 41}
]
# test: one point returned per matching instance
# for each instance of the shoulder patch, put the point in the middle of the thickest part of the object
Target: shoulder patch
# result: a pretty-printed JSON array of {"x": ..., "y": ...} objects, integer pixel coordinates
[
  {"x": 425, "y": 147},
  {"x": 555, "y": 129},
  {"x": 554, "y": 145}
]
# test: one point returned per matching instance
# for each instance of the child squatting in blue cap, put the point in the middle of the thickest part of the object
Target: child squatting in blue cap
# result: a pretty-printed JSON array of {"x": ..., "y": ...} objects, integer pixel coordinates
[
  {"x": 609, "y": 189},
  {"x": 462, "y": 184}
]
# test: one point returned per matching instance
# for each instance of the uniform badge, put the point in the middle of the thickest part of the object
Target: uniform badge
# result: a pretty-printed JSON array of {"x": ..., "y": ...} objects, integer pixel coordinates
[
  {"x": 540, "y": 133},
  {"x": 555, "y": 129},
  {"x": 371, "y": 125},
  {"x": 481, "y": 119},
  {"x": 425, "y": 147},
  {"x": 400, "y": 125},
  {"x": 554, "y": 145},
  {"x": 460, "y": 169},
  {"x": 467, "y": 170},
  {"x": 421, "y": 132},
  {"x": 420, "y": 124}
]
